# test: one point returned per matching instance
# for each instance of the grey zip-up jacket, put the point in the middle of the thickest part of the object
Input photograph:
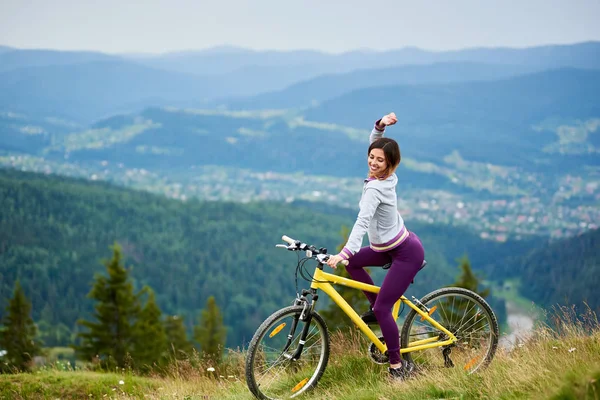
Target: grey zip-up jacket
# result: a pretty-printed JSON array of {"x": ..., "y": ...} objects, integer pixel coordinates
[{"x": 378, "y": 214}]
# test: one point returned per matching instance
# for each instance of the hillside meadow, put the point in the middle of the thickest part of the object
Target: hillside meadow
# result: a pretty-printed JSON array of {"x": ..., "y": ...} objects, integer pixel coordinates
[{"x": 560, "y": 361}]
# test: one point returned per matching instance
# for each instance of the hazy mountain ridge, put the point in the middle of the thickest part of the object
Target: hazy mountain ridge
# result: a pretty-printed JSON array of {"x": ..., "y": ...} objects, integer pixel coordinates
[
  {"x": 580, "y": 55},
  {"x": 4, "y": 49},
  {"x": 85, "y": 92},
  {"x": 518, "y": 116},
  {"x": 501, "y": 115},
  {"x": 316, "y": 90},
  {"x": 12, "y": 58},
  {"x": 33, "y": 79}
]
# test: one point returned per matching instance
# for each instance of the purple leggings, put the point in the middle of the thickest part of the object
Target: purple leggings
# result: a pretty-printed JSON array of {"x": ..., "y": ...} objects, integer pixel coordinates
[{"x": 406, "y": 261}]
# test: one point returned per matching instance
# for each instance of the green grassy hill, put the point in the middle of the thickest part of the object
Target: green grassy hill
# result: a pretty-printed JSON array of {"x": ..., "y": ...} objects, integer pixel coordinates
[{"x": 562, "y": 364}]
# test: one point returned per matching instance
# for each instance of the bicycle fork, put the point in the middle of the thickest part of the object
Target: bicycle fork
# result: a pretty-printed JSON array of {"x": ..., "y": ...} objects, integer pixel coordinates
[{"x": 306, "y": 317}]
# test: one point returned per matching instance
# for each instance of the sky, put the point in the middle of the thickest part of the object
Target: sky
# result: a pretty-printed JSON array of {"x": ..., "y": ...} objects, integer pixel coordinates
[{"x": 159, "y": 26}]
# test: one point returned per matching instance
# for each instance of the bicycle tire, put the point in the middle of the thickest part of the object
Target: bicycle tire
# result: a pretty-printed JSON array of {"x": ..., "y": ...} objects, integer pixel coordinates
[
  {"x": 470, "y": 330},
  {"x": 267, "y": 352}
]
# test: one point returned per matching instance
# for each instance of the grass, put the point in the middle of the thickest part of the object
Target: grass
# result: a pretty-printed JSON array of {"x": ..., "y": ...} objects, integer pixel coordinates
[
  {"x": 559, "y": 362},
  {"x": 56, "y": 384}
]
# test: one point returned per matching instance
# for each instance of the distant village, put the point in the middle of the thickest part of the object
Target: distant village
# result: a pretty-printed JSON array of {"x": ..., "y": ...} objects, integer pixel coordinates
[{"x": 573, "y": 209}]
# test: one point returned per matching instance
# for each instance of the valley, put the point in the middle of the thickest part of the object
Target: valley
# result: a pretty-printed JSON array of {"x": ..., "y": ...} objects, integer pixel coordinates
[{"x": 496, "y": 202}]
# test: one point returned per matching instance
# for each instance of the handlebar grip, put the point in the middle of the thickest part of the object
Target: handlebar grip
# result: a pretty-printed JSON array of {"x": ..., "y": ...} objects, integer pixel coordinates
[{"x": 288, "y": 239}]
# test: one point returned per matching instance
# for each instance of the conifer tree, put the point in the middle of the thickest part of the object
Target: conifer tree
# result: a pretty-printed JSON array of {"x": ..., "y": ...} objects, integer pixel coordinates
[
  {"x": 150, "y": 345},
  {"x": 211, "y": 333},
  {"x": 460, "y": 311},
  {"x": 18, "y": 338},
  {"x": 111, "y": 337},
  {"x": 335, "y": 318},
  {"x": 178, "y": 344},
  {"x": 467, "y": 278}
]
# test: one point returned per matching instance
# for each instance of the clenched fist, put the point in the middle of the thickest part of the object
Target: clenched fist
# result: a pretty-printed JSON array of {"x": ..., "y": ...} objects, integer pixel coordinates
[{"x": 388, "y": 120}]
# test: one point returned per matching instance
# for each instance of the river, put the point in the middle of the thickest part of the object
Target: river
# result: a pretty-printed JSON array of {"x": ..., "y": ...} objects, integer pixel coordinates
[{"x": 520, "y": 324}]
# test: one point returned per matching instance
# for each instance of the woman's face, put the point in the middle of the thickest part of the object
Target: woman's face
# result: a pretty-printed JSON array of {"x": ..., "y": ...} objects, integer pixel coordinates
[{"x": 377, "y": 163}]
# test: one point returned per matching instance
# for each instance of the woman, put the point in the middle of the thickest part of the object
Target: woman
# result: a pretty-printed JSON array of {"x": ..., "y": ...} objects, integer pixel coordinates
[{"x": 390, "y": 241}]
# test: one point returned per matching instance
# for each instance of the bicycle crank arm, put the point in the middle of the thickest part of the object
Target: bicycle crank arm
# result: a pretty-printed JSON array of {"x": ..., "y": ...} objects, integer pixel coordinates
[{"x": 447, "y": 361}]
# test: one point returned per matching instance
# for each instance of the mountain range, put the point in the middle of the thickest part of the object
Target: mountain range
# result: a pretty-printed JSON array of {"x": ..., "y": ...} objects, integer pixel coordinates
[
  {"x": 470, "y": 133},
  {"x": 516, "y": 122},
  {"x": 86, "y": 86}
]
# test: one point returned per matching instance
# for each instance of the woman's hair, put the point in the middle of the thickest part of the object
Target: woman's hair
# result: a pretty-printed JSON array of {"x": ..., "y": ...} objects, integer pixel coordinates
[{"x": 391, "y": 150}]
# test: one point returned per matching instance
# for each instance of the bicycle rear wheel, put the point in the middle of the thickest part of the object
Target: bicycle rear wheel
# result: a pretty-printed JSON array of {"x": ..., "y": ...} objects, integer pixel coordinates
[
  {"x": 279, "y": 364},
  {"x": 464, "y": 313}
]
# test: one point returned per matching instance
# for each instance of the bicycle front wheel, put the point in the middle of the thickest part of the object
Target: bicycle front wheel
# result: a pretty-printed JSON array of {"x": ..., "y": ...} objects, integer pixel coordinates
[
  {"x": 464, "y": 313},
  {"x": 287, "y": 355}
]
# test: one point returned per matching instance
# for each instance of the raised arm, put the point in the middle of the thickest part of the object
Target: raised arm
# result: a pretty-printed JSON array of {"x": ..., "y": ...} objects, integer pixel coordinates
[{"x": 379, "y": 128}]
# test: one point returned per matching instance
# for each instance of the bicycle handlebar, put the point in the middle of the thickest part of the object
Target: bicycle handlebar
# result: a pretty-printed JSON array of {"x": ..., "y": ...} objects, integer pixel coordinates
[
  {"x": 288, "y": 239},
  {"x": 295, "y": 245}
]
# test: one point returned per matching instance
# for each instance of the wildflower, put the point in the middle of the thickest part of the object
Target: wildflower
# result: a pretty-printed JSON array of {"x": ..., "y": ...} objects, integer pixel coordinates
[
  {"x": 554, "y": 347},
  {"x": 572, "y": 349},
  {"x": 210, "y": 369},
  {"x": 121, "y": 382}
]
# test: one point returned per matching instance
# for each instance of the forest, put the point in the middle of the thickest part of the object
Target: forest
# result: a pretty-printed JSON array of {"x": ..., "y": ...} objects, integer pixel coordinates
[{"x": 56, "y": 233}]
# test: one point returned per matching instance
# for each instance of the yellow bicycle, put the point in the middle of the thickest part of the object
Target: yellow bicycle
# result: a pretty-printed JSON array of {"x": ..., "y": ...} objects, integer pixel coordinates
[{"x": 289, "y": 352}]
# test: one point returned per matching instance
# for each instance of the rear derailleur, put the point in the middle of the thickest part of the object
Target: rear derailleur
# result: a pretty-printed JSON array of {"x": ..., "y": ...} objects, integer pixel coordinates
[{"x": 446, "y": 350}]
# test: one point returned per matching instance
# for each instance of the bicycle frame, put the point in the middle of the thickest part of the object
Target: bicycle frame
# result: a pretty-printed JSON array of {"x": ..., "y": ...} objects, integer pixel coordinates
[{"x": 323, "y": 281}]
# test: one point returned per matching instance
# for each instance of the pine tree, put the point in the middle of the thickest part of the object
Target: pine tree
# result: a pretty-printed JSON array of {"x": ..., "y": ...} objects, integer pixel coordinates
[
  {"x": 467, "y": 278},
  {"x": 336, "y": 319},
  {"x": 18, "y": 338},
  {"x": 110, "y": 338},
  {"x": 459, "y": 311},
  {"x": 211, "y": 333},
  {"x": 150, "y": 345},
  {"x": 178, "y": 344}
]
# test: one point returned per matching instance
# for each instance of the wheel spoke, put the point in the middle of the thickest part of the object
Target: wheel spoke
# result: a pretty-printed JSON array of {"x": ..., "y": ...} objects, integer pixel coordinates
[
  {"x": 270, "y": 371},
  {"x": 465, "y": 315}
]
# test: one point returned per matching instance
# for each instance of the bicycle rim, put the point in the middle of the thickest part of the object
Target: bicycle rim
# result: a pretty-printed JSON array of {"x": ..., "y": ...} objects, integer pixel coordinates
[
  {"x": 271, "y": 370},
  {"x": 468, "y": 317}
]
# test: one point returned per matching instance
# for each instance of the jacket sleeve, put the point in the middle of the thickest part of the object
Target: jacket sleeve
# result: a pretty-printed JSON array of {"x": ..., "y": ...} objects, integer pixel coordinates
[
  {"x": 376, "y": 133},
  {"x": 368, "y": 205}
]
